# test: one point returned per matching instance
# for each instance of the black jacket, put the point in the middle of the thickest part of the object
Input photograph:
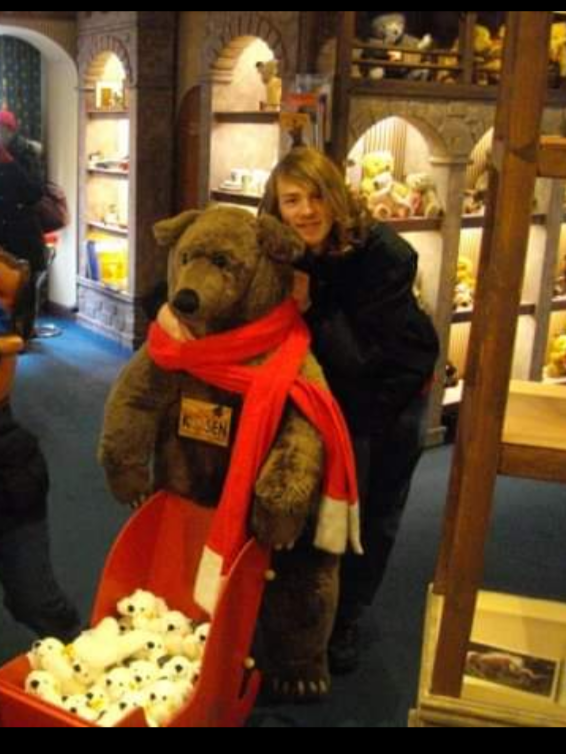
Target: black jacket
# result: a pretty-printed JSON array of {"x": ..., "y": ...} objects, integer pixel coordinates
[
  {"x": 24, "y": 478},
  {"x": 20, "y": 231},
  {"x": 377, "y": 347}
]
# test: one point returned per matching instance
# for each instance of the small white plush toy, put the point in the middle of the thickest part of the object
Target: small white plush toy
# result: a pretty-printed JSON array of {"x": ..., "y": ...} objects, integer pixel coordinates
[
  {"x": 144, "y": 674},
  {"x": 52, "y": 656},
  {"x": 100, "y": 653},
  {"x": 44, "y": 686},
  {"x": 117, "y": 713},
  {"x": 117, "y": 683},
  {"x": 194, "y": 645},
  {"x": 181, "y": 669},
  {"x": 176, "y": 627},
  {"x": 153, "y": 649},
  {"x": 79, "y": 707},
  {"x": 144, "y": 610},
  {"x": 164, "y": 701}
]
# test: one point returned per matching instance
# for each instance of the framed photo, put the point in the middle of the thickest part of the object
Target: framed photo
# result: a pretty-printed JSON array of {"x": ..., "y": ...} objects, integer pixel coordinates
[{"x": 503, "y": 667}]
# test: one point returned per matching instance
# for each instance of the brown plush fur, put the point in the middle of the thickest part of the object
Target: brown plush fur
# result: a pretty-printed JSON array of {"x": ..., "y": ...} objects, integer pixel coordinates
[{"x": 237, "y": 269}]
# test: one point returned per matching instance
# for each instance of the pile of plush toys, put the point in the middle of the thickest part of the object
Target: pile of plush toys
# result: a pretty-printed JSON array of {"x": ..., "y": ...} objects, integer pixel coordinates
[
  {"x": 388, "y": 198},
  {"x": 465, "y": 291},
  {"x": 148, "y": 658}
]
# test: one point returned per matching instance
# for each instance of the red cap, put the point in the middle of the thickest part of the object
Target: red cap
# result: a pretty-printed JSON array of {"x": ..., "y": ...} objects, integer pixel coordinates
[{"x": 8, "y": 120}]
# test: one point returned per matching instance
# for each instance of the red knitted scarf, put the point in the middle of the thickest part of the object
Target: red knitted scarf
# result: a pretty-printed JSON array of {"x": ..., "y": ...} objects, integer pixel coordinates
[{"x": 221, "y": 361}]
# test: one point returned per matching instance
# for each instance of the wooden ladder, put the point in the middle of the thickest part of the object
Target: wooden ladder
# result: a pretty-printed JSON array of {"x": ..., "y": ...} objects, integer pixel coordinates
[{"x": 505, "y": 429}]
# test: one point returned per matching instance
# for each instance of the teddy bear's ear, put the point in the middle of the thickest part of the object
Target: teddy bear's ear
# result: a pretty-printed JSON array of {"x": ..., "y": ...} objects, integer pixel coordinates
[
  {"x": 278, "y": 241},
  {"x": 168, "y": 232}
]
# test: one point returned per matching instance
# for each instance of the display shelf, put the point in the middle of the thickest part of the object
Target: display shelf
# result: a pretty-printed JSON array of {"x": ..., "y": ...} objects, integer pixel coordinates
[
  {"x": 108, "y": 114},
  {"x": 108, "y": 173},
  {"x": 115, "y": 230},
  {"x": 247, "y": 117},
  {"x": 559, "y": 304},
  {"x": 126, "y": 65}
]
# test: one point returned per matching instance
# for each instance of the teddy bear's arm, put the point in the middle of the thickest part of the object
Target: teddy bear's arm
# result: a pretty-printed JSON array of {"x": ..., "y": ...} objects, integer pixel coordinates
[
  {"x": 289, "y": 485},
  {"x": 132, "y": 417}
]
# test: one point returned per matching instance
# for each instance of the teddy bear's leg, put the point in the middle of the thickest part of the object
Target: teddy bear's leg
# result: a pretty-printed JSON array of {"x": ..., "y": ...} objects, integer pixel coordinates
[
  {"x": 288, "y": 488},
  {"x": 297, "y": 621}
]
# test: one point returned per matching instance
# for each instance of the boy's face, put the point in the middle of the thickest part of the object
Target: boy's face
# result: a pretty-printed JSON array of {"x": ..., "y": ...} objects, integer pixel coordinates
[{"x": 306, "y": 211}]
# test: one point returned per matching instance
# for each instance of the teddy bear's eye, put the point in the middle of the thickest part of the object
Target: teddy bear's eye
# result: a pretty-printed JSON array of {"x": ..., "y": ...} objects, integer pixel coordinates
[
  {"x": 185, "y": 258},
  {"x": 220, "y": 260}
]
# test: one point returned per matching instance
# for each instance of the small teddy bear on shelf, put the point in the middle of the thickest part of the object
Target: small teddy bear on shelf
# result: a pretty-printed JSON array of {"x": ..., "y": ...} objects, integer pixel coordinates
[
  {"x": 269, "y": 72},
  {"x": 464, "y": 294},
  {"x": 386, "y": 198},
  {"x": 424, "y": 196},
  {"x": 388, "y": 33}
]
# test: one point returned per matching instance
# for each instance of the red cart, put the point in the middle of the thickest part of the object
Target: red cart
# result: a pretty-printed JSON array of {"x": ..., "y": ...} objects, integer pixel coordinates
[{"x": 159, "y": 550}]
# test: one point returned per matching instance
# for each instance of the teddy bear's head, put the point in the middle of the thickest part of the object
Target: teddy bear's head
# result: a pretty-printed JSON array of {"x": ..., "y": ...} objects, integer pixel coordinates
[
  {"x": 226, "y": 267},
  {"x": 389, "y": 28},
  {"x": 376, "y": 163}
]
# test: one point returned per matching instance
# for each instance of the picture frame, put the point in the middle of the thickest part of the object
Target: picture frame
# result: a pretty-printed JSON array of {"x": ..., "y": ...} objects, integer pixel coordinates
[{"x": 501, "y": 666}]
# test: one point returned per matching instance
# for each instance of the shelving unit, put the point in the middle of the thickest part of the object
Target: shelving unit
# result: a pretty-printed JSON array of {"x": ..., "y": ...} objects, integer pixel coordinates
[
  {"x": 507, "y": 429},
  {"x": 126, "y": 70},
  {"x": 105, "y": 255},
  {"x": 453, "y": 123}
]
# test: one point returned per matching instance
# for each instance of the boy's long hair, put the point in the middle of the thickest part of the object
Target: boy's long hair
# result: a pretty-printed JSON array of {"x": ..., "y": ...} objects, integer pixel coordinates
[{"x": 312, "y": 169}]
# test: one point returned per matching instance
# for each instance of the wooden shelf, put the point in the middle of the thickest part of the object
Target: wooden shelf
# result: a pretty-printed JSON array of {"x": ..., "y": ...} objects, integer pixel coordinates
[
  {"x": 471, "y": 222},
  {"x": 559, "y": 304},
  {"x": 249, "y": 117},
  {"x": 120, "y": 114},
  {"x": 534, "y": 438},
  {"x": 109, "y": 173},
  {"x": 416, "y": 225},
  {"x": 243, "y": 200},
  {"x": 115, "y": 230},
  {"x": 114, "y": 292}
]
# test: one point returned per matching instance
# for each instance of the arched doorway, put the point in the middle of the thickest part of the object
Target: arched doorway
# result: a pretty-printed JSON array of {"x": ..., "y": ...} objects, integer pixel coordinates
[{"x": 60, "y": 85}]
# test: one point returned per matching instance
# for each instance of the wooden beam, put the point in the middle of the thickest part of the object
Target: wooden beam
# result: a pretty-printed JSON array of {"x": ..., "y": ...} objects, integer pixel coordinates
[{"x": 490, "y": 358}]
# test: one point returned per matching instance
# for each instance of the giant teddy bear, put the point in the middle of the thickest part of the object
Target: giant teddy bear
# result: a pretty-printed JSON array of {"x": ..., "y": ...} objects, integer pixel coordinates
[{"x": 228, "y": 270}]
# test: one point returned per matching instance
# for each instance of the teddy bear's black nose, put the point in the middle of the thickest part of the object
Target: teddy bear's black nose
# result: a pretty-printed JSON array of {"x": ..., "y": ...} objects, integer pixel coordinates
[{"x": 187, "y": 302}]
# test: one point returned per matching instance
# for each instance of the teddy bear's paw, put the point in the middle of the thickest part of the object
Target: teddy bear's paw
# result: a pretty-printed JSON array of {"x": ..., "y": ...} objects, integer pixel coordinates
[
  {"x": 280, "y": 513},
  {"x": 130, "y": 485},
  {"x": 281, "y": 690}
]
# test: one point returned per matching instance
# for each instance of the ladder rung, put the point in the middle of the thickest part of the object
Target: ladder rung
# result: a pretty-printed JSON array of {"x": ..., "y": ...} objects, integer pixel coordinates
[{"x": 552, "y": 157}]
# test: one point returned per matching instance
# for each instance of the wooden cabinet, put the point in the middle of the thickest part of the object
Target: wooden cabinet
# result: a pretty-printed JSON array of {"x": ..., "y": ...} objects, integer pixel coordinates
[{"x": 444, "y": 129}]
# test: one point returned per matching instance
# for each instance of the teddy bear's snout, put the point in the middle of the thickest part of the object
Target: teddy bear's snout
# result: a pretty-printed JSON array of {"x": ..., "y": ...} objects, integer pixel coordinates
[{"x": 187, "y": 302}]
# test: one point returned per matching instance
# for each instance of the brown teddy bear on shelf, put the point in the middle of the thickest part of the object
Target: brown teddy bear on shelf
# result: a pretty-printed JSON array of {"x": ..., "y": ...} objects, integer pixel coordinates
[{"x": 176, "y": 420}]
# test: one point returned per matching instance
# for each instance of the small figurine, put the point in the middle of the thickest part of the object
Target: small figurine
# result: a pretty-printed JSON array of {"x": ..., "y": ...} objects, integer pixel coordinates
[{"x": 269, "y": 73}]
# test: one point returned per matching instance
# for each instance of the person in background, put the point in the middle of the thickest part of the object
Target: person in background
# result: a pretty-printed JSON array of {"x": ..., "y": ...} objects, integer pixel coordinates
[
  {"x": 21, "y": 188},
  {"x": 31, "y": 591},
  {"x": 378, "y": 349}
]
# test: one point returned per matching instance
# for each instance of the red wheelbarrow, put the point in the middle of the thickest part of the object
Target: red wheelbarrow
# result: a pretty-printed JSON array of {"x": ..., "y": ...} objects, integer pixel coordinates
[{"x": 159, "y": 550}]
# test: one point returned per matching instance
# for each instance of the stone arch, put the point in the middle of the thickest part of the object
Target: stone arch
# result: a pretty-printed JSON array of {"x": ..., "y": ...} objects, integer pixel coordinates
[
  {"x": 97, "y": 54},
  {"x": 227, "y": 44}
]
